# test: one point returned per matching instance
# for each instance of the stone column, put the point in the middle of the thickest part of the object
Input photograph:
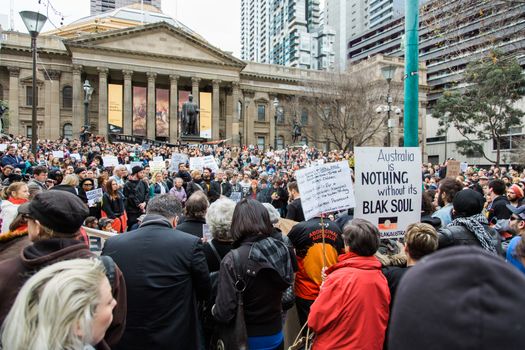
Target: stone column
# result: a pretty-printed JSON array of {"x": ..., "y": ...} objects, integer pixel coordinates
[
  {"x": 128, "y": 103},
  {"x": 52, "y": 105},
  {"x": 174, "y": 108},
  {"x": 78, "y": 101},
  {"x": 195, "y": 90},
  {"x": 102, "y": 101},
  {"x": 250, "y": 116},
  {"x": 215, "y": 111},
  {"x": 150, "y": 123},
  {"x": 232, "y": 119},
  {"x": 14, "y": 88},
  {"x": 271, "y": 114}
]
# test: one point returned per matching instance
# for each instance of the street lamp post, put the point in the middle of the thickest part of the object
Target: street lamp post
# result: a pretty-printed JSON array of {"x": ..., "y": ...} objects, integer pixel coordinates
[
  {"x": 388, "y": 74},
  {"x": 34, "y": 22},
  {"x": 88, "y": 91},
  {"x": 275, "y": 105}
]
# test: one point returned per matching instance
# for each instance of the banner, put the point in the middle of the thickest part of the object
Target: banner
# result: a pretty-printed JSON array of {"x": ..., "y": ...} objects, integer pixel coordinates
[
  {"x": 140, "y": 110},
  {"x": 183, "y": 97},
  {"x": 205, "y": 114},
  {"x": 115, "y": 115},
  {"x": 162, "y": 113},
  {"x": 388, "y": 188},
  {"x": 325, "y": 188}
]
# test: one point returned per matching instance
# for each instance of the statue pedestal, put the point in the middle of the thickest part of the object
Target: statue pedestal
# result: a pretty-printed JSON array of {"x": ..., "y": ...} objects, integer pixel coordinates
[{"x": 192, "y": 139}]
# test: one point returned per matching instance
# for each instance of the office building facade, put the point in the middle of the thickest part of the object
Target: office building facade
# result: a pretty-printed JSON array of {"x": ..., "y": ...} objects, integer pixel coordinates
[{"x": 101, "y": 6}]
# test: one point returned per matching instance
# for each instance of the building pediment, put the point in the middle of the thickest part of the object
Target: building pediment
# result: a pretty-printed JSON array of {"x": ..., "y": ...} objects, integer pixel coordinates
[{"x": 157, "y": 39}]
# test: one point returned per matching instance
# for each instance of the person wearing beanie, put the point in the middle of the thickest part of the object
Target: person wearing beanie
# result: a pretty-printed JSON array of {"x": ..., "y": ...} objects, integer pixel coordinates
[
  {"x": 54, "y": 219},
  {"x": 515, "y": 195},
  {"x": 351, "y": 311},
  {"x": 459, "y": 298},
  {"x": 469, "y": 226}
]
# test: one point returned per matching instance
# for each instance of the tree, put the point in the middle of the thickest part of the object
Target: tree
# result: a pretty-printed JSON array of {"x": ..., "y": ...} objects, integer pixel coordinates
[
  {"x": 485, "y": 110},
  {"x": 341, "y": 109}
]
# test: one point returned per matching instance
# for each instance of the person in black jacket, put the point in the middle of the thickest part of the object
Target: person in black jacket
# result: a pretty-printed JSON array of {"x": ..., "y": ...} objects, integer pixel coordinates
[
  {"x": 136, "y": 192},
  {"x": 219, "y": 187},
  {"x": 267, "y": 271},
  {"x": 295, "y": 208},
  {"x": 497, "y": 208},
  {"x": 194, "y": 214},
  {"x": 113, "y": 206},
  {"x": 166, "y": 276}
]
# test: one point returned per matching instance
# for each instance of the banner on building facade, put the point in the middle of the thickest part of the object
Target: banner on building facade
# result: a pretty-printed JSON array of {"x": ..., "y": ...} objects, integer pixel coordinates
[
  {"x": 388, "y": 188},
  {"x": 205, "y": 114},
  {"x": 162, "y": 113},
  {"x": 183, "y": 97},
  {"x": 115, "y": 114},
  {"x": 140, "y": 110}
]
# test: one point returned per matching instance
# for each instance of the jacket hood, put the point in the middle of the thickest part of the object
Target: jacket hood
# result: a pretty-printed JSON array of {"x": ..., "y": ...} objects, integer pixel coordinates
[
  {"x": 48, "y": 251},
  {"x": 355, "y": 261}
]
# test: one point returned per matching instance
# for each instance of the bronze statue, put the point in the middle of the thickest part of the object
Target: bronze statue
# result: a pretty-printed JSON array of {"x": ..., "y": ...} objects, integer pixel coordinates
[
  {"x": 296, "y": 131},
  {"x": 190, "y": 113}
]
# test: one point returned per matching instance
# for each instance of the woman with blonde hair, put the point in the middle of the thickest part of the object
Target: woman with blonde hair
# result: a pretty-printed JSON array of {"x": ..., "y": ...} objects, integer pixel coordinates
[
  {"x": 17, "y": 193},
  {"x": 157, "y": 186},
  {"x": 69, "y": 184},
  {"x": 67, "y": 305}
]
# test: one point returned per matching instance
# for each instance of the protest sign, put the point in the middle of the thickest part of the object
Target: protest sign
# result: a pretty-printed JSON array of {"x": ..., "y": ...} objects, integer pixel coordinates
[
  {"x": 76, "y": 156},
  {"x": 325, "y": 188},
  {"x": 236, "y": 196},
  {"x": 94, "y": 196},
  {"x": 3, "y": 147},
  {"x": 463, "y": 166},
  {"x": 158, "y": 159},
  {"x": 453, "y": 168},
  {"x": 58, "y": 154},
  {"x": 176, "y": 159},
  {"x": 199, "y": 163},
  {"x": 209, "y": 162},
  {"x": 110, "y": 161},
  {"x": 388, "y": 187},
  {"x": 157, "y": 166}
]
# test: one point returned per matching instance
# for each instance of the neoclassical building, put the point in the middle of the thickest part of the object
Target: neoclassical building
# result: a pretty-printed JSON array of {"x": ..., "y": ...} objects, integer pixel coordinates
[{"x": 141, "y": 74}]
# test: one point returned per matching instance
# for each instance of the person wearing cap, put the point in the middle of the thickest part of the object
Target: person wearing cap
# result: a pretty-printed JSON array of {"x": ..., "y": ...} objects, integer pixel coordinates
[
  {"x": 515, "y": 195},
  {"x": 469, "y": 226},
  {"x": 459, "y": 298},
  {"x": 517, "y": 225},
  {"x": 166, "y": 276},
  {"x": 136, "y": 193},
  {"x": 54, "y": 219}
]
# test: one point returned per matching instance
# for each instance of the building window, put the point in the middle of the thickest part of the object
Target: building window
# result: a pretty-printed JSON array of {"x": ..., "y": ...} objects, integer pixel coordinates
[
  {"x": 67, "y": 97},
  {"x": 261, "y": 113},
  {"x": 29, "y": 131},
  {"x": 29, "y": 96},
  {"x": 280, "y": 115},
  {"x": 260, "y": 143},
  {"x": 280, "y": 142},
  {"x": 67, "y": 131},
  {"x": 304, "y": 117}
]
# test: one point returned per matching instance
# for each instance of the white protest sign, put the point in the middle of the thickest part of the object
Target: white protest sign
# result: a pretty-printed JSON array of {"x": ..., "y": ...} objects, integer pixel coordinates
[
  {"x": 176, "y": 159},
  {"x": 76, "y": 156},
  {"x": 388, "y": 188},
  {"x": 158, "y": 159},
  {"x": 94, "y": 196},
  {"x": 209, "y": 162},
  {"x": 236, "y": 196},
  {"x": 463, "y": 166},
  {"x": 199, "y": 163},
  {"x": 110, "y": 161},
  {"x": 157, "y": 166},
  {"x": 135, "y": 164},
  {"x": 58, "y": 154},
  {"x": 325, "y": 188},
  {"x": 3, "y": 147}
]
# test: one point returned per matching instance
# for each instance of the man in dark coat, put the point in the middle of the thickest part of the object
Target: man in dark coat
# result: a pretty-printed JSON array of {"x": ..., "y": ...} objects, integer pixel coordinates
[
  {"x": 295, "y": 208},
  {"x": 136, "y": 192},
  {"x": 166, "y": 274},
  {"x": 497, "y": 209},
  {"x": 219, "y": 187}
]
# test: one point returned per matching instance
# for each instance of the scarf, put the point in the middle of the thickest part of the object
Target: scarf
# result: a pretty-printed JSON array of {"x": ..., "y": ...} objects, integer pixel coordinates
[
  {"x": 17, "y": 201},
  {"x": 475, "y": 224}
]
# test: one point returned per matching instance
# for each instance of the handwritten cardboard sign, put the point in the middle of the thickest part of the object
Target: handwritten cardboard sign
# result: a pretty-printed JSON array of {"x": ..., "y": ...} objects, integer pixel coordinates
[{"x": 453, "y": 168}]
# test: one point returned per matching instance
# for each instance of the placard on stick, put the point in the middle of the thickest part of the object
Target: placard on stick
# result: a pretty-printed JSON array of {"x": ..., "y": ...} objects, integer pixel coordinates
[
  {"x": 388, "y": 188},
  {"x": 325, "y": 188}
]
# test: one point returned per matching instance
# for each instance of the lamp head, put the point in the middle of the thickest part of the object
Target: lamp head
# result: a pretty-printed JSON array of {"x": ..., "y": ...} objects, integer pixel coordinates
[
  {"x": 388, "y": 72},
  {"x": 33, "y": 21}
]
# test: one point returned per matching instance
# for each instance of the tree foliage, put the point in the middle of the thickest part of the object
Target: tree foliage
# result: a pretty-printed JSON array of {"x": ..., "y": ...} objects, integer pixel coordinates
[{"x": 485, "y": 110}]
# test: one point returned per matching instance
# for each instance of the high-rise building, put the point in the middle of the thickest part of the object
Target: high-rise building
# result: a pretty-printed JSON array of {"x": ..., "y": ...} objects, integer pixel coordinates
[
  {"x": 101, "y": 6},
  {"x": 286, "y": 32}
]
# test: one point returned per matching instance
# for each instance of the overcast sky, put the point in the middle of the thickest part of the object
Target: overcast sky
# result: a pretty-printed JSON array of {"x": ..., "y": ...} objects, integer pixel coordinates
[{"x": 218, "y": 21}]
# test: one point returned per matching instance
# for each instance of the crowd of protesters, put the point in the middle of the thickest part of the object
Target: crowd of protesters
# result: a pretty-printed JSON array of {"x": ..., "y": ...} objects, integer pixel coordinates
[{"x": 199, "y": 257}]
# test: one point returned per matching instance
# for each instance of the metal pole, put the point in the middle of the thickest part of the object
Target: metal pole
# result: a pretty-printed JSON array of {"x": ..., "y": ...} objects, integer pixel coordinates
[
  {"x": 86, "y": 107},
  {"x": 389, "y": 104},
  {"x": 275, "y": 132},
  {"x": 411, "y": 74},
  {"x": 34, "y": 136}
]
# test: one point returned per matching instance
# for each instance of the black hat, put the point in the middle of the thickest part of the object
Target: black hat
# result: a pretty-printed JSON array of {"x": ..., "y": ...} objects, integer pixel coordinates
[
  {"x": 459, "y": 298},
  {"x": 136, "y": 169},
  {"x": 60, "y": 211},
  {"x": 468, "y": 202},
  {"x": 519, "y": 211}
]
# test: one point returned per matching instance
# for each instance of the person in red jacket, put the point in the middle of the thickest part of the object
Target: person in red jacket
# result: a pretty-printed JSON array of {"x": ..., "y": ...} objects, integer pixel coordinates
[{"x": 351, "y": 311}]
